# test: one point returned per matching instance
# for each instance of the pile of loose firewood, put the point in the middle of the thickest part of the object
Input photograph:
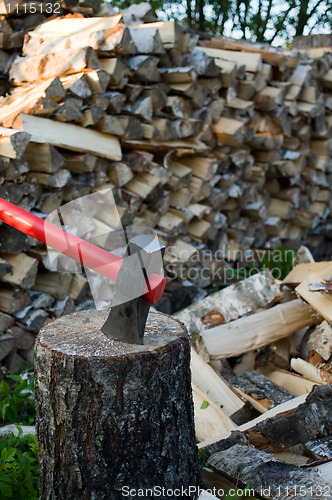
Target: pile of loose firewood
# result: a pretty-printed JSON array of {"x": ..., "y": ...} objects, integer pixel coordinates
[
  {"x": 265, "y": 348},
  {"x": 213, "y": 143}
]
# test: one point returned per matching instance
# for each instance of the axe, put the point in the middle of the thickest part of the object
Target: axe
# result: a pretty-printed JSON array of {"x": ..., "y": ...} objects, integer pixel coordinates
[{"x": 127, "y": 318}]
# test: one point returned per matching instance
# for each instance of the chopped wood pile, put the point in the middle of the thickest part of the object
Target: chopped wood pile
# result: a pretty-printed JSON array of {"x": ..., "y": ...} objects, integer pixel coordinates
[
  {"x": 214, "y": 144},
  {"x": 271, "y": 356}
]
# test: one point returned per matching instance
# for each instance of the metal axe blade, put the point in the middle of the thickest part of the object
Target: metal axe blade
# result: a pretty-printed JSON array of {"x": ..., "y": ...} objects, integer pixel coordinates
[{"x": 126, "y": 320}]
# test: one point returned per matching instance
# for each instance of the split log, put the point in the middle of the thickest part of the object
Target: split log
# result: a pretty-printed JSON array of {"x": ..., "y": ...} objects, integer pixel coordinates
[
  {"x": 119, "y": 41},
  {"x": 210, "y": 420},
  {"x": 252, "y": 62},
  {"x": 320, "y": 340},
  {"x": 79, "y": 288},
  {"x": 12, "y": 301},
  {"x": 41, "y": 67},
  {"x": 147, "y": 40},
  {"x": 44, "y": 158},
  {"x": 69, "y": 33},
  {"x": 80, "y": 163},
  {"x": 6, "y": 344},
  {"x": 218, "y": 443},
  {"x": 301, "y": 271},
  {"x": 143, "y": 185},
  {"x": 13, "y": 142},
  {"x": 171, "y": 223},
  {"x": 324, "y": 470},
  {"x": 291, "y": 381},
  {"x": 23, "y": 270},
  {"x": 76, "y": 85},
  {"x": 120, "y": 174},
  {"x": 114, "y": 445},
  {"x": 58, "y": 28},
  {"x": 145, "y": 68},
  {"x": 320, "y": 301},
  {"x": 269, "y": 56},
  {"x": 320, "y": 448},
  {"x": 269, "y": 98},
  {"x": 200, "y": 230},
  {"x": 104, "y": 34},
  {"x": 213, "y": 444},
  {"x": 6, "y": 321},
  {"x": 57, "y": 180},
  {"x": 25, "y": 98},
  {"x": 310, "y": 420},
  {"x": 171, "y": 32},
  {"x": 320, "y": 373},
  {"x": 263, "y": 393},
  {"x": 259, "y": 329},
  {"x": 230, "y": 132},
  {"x": 54, "y": 283},
  {"x": 71, "y": 137},
  {"x": 266, "y": 475},
  {"x": 207, "y": 380},
  {"x": 116, "y": 70}
]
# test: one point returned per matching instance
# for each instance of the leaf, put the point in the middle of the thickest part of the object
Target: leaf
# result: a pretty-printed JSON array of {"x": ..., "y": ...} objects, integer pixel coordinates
[
  {"x": 8, "y": 455},
  {"x": 204, "y": 405},
  {"x": 5, "y": 479},
  {"x": 20, "y": 430},
  {"x": 4, "y": 388},
  {"x": 17, "y": 378},
  {"x": 6, "y": 490}
]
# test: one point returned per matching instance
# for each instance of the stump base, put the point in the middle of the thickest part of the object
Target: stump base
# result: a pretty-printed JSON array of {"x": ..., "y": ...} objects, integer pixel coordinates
[{"x": 112, "y": 415}]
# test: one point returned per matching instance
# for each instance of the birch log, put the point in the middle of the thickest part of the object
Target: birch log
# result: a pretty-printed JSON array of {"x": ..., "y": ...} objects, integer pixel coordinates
[{"x": 234, "y": 301}]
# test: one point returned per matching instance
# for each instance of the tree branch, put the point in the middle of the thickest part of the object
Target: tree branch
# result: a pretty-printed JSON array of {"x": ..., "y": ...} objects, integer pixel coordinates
[
  {"x": 189, "y": 14},
  {"x": 280, "y": 23},
  {"x": 268, "y": 15},
  {"x": 313, "y": 10}
]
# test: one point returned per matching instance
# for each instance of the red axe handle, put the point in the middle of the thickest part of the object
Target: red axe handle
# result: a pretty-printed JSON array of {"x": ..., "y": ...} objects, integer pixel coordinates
[{"x": 87, "y": 254}]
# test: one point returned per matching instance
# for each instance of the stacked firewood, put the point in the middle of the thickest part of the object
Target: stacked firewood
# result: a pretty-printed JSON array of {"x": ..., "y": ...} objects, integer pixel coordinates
[
  {"x": 216, "y": 145},
  {"x": 265, "y": 348},
  {"x": 18, "y": 18}
]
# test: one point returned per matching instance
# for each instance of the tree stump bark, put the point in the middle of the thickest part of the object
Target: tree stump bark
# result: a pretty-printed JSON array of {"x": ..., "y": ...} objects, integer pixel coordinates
[{"x": 112, "y": 417}]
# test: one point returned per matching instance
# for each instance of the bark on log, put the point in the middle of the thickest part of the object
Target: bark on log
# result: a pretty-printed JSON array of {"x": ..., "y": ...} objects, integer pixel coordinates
[
  {"x": 111, "y": 414},
  {"x": 270, "y": 477},
  {"x": 232, "y": 302}
]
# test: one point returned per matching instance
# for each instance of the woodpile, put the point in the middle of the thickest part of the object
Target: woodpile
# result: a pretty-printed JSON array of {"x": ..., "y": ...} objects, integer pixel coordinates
[
  {"x": 219, "y": 146},
  {"x": 266, "y": 349}
]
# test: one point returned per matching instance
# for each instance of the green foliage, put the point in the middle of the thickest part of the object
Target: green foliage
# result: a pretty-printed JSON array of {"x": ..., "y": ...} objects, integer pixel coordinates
[
  {"x": 204, "y": 405},
  {"x": 19, "y": 467},
  {"x": 279, "y": 261},
  {"x": 238, "y": 496},
  {"x": 202, "y": 458},
  {"x": 17, "y": 402},
  {"x": 124, "y": 4}
]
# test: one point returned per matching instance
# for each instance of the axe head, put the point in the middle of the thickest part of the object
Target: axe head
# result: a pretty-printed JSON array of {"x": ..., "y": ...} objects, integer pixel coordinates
[{"x": 127, "y": 318}]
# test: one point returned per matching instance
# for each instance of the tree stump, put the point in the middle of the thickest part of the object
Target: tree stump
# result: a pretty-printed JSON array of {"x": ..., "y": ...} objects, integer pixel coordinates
[{"x": 112, "y": 417}]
